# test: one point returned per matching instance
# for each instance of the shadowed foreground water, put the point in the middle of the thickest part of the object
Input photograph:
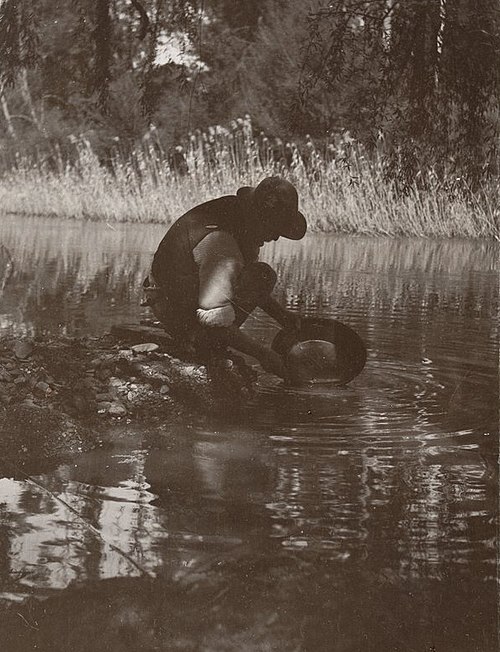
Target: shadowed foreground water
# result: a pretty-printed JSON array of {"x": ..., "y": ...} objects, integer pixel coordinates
[{"x": 353, "y": 519}]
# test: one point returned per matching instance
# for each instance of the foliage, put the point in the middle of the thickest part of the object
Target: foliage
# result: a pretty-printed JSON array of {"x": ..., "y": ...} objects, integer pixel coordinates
[
  {"x": 423, "y": 73},
  {"x": 18, "y": 39},
  {"x": 415, "y": 83}
]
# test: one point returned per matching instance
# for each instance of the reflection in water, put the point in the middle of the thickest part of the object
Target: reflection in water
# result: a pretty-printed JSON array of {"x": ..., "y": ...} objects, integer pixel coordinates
[{"x": 390, "y": 482}]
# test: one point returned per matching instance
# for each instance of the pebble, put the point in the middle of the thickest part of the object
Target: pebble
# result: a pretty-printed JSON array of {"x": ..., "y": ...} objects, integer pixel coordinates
[
  {"x": 147, "y": 347},
  {"x": 164, "y": 389},
  {"x": 104, "y": 373},
  {"x": 125, "y": 354},
  {"x": 42, "y": 387},
  {"x": 23, "y": 349},
  {"x": 117, "y": 410},
  {"x": 104, "y": 397}
]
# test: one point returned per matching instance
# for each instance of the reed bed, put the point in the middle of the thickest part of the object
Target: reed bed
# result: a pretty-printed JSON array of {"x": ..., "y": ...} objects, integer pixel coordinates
[{"x": 341, "y": 189}]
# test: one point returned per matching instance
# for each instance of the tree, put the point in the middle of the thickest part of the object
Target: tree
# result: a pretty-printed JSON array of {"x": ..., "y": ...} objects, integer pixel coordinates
[
  {"x": 18, "y": 52},
  {"x": 103, "y": 35},
  {"x": 425, "y": 73},
  {"x": 254, "y": 66}
]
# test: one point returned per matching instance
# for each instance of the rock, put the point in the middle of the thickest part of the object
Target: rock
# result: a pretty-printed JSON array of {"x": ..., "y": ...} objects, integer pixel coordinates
[
  {"x": 117, "y": 410},
  {"x": 5, "y": 376},
  {"x": 88, "y": 383},
  {"x": 147, "y": 347},
  {"x": 75, "y": 378},
  {"x": 125, "y": 354},
  {"x": 105, "y": 396},
  {"x": 103, "y": 373},
  {"x": 23, "y": 349},
  {"x": 42, "y": 387}
]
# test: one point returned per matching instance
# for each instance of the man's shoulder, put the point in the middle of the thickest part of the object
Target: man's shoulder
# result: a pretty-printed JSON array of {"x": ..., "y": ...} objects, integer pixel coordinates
[
  {"x": 224, "y": 205},
  {"x": 217, "y": 245},
  {"x": 222, "y": 213}
]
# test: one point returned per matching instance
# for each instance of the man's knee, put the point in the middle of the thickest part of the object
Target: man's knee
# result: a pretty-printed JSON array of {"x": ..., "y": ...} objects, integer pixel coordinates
[{"x": 257, "y": 278}]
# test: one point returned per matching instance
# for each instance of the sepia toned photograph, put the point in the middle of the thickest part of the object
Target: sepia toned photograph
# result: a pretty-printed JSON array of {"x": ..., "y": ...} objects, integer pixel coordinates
[{"x": 249, "y": 325}]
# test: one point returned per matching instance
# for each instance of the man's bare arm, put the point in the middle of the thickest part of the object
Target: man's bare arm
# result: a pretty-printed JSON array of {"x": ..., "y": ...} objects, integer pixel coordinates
[
  {"x": 270, "y": 361},
  {"x": 284, "y": 317}
]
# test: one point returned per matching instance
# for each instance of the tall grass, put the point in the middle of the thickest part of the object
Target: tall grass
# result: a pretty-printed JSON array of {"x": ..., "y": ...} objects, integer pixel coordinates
[{"x": 341, "y": 189}]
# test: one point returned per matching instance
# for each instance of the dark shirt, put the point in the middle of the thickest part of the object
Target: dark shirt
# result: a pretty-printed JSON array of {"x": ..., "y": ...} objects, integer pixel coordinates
[{"x": 199, "y": 260}]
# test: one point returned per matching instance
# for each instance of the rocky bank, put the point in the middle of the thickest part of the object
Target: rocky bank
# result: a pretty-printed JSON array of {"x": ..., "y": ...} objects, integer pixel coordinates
[{"x": 54, "y": 393}]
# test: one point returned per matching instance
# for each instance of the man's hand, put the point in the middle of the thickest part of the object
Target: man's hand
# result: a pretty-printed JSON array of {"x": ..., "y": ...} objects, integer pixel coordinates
[
  {"x": 292, "y": 321},
  {"x": 286, "y": 318},
  {"x": 273, "y": 363},
  {"x": 269, "y": 360}
]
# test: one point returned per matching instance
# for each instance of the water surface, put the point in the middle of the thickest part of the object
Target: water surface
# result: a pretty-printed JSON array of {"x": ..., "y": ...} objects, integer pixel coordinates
[{"x": 389, "y": 486}]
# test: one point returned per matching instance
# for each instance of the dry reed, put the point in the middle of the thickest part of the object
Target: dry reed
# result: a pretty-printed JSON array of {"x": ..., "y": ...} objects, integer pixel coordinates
[{"x": 340, "y": 190}]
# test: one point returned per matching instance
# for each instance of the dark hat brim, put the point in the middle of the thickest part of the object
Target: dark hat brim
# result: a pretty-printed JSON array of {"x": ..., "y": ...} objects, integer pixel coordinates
[
  {"x": 296, "y": 228},
  {"x": 296, "y": 225}
]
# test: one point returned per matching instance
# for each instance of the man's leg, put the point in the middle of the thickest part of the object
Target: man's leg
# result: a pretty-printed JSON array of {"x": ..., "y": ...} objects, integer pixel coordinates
[{"x": 255, "y": 285}]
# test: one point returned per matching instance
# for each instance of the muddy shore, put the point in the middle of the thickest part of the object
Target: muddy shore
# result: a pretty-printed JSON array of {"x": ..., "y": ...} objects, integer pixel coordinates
[{"x": 56, "y": 393}]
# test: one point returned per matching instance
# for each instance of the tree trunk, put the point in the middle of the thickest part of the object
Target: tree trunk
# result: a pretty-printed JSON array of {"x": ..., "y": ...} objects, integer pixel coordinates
[
  {"x": 148, "y": 101},
  {"x": 6, "y": 113},
  {"x": 26, "y": 93},
  {"x": 102, "y": 36}
]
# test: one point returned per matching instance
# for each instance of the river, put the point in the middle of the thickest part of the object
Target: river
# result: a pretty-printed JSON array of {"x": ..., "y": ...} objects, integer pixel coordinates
[{"x": 382, "y": 497}]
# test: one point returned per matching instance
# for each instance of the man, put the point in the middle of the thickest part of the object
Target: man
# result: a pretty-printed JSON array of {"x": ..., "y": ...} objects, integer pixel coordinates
[{"x": 206, "y": 279}]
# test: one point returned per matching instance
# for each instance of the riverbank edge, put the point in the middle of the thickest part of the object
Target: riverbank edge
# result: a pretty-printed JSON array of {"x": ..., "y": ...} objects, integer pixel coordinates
[
  {"x": 384, "y": 233},
  {"x": 56, "y": 394},
  {"x": 313, "y": 229}
]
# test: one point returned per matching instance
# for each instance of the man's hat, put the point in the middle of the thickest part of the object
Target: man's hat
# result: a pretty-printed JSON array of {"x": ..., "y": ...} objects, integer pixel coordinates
[{"x": 276, "y": 199}]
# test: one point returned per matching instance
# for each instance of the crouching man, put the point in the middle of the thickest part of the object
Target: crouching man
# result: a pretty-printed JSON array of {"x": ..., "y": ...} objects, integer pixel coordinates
[{"x": 206, "y": 278}]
